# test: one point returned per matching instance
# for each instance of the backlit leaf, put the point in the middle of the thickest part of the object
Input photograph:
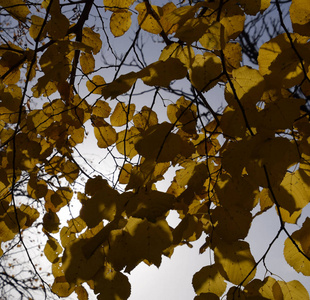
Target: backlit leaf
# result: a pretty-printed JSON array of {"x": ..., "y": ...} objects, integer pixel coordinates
[
  {"x": 17, "y": 8},
  {"x": 120, "y": 22},
  {"x": 161, "y": 73},
  {"x": 294, "y": 257},
  {"x": 209, "y": 280},
  {"x": 122, "y": 114},
  {"x": 105, "y": 135},
  {"x": 300, "y": 16},
  {"x": 205, "y": 71},
  {"x": 237, "y": 261}
]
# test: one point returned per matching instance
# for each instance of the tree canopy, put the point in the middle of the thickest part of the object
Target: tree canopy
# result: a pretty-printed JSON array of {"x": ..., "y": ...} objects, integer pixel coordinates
[{"x": 137, "y": 78}]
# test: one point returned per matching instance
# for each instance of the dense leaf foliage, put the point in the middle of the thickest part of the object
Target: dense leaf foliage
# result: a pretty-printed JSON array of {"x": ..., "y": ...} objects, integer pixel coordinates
[{"x": 61, "y": 77}]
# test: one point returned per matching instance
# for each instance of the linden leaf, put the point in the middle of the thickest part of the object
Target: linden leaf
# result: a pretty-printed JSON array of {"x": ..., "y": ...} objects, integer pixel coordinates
[
  {"x": 209, "y": 280},
  {"x": 293, "y": 193},
  {"x": 102, "y": 109},
  {"x": 105, "y": 135},
  {"x": 35, "y": 28},
  {"x": 36, "y": 188},
  {"x": 293, "y": 256},
  {"x": 161, "y": 73},
  {"x": 232, "y": 18},
  {"x": 159, "y": 143},
  {"x": 185, "y": 54},
  {"x": 300, "y": 16},
  {"x": 122, "y": 114},
  {"x": 51, "y": 222},
  {"x": 143, "y": 240},
  {"x": 102, "y": 205},
  {"x": 96, "y": 85},
  {"x": 87, "y": 62},
  {"x": 120, "y": 22},
  {"x": 52, "y": 249},
  {"x": 149, "y": 204},
  {"x": 58, "y": 25},
  {"x": 278, "y": 61},
  {"x": 111, "y": 285},
  {"x": 192, "y": 30},
  {"x": 236, "y": 260},
  {"x": 62, "y": 288},
  {"x": 115, "y": 5},
  {"x": 183, "y": 113},
  {"x": 146, "y": 21},
  {"x": 126, "y": 142},
  {"x": 205, "y": 71},
  {"x": 120, "y": 85},
  {"x": 214, "y": 38},
  {"x": 248, "y": 85},
  {"x": 92, "y": 39},
  {"x": 17, "y": 8},
  {"x": 81, "y": 293},
  {"x": 145, "y": 118},
  {"x": 293, "y": 290},
  {"x": 125, "y": 174},
  {"x": 71, "y": 171}
]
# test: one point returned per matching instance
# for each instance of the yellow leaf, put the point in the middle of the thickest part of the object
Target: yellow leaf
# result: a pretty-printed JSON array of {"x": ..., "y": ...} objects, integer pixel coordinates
[
  {"x": 92, "y": 39},
  {"x": 258, "y": 288},
  {"x": 36, "y": 24},
  {"x": 125, "y": 142},
  {"x": 51, "y": 222},
  {"x": 145, "y": 118},
  {"x": 81, "y": 293},
  {"x": 120, "y": 22},
  {"x": 214, "y": 38},
  {"x": 102, "y": 205},
  {"x": 209, "y": 280},
  {"x": 293, "y": 290},
  {"x": 233, "y": 56},
  {"x": 279, "y": 61},
  {"x": 122, "y": 114},
  {"x": 58, "y": 25},
  {"x": 143, "y": 240},
  {"x": 192, "y": 30},
  {"x": 111, "y": 285},
  {"x": 36, "y": 188},
  {"x": 183, "y": 113},
  {"x": 96, "y": 85},
  {"x": 159, "y": 143},
  {"x": 146, "y": 21},
  {"x": 120, "y": 85},
  {"x": 125, "y": 174},
  {"x": 249, "y": 87},
  {"x": 205, "y": 71},
  {"x": 293, "y": 257},
  {"x": 105, "y": 135},
  {"x": 115, "y": 5},
  {"x": 52, "y": 249},
  {"x": 149, "y": 204},
  {"x": 61, "y": 287},
  {"x": 185, "y": 54},
  {"x": 293, "y": 193},
  {"x": 87, "y": 62},
  {"x": 161, "y": 73},
  {"x": 300, "y": 16},
  {"x": 102, "y": 109},
  {"x": 70, "y": 171},
  {"x": 236, "y": 260},
  {"x": 17, "y": 8},
  {"x": 232, "y": 18}
]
